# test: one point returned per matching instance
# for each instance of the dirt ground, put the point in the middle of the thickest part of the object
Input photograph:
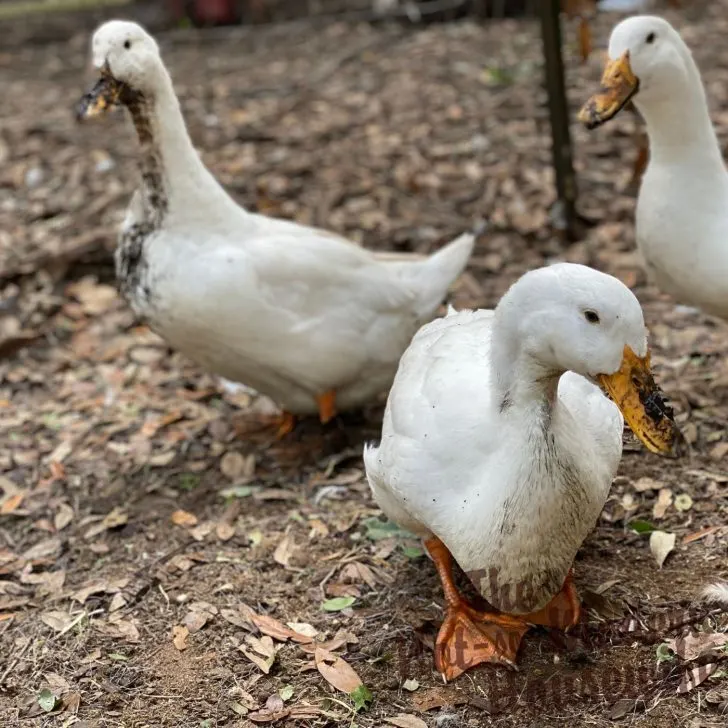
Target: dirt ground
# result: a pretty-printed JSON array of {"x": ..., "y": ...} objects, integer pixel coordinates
[{"x": 149, "y": 556}]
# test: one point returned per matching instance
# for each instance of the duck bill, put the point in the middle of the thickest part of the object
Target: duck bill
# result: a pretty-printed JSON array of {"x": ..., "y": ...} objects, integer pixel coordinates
[
  {"x": 634, "y": 391},
  {"x": 103, "y": 96},
  {"x": 619, "y": 85}
]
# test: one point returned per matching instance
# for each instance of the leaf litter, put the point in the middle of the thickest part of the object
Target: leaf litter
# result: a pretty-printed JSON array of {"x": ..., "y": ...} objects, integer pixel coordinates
[{"x": 115, "y": 431}]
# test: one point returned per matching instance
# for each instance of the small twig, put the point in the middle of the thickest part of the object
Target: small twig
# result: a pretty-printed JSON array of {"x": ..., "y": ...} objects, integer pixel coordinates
[{"x": 14, "y": 662}]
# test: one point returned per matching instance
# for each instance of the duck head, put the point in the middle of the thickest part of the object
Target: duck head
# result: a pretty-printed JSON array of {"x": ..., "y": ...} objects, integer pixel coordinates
[
  {"x": 129, "y": 65},
  {"x": 646, "y": 60},
  {"x": 574, "y": 318}
]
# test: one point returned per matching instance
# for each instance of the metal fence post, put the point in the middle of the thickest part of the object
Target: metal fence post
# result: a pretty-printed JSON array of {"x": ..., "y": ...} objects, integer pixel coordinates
[{"x": 565, "y": 214}]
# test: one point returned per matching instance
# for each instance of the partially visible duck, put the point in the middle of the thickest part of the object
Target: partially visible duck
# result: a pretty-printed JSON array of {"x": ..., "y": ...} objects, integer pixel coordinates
[{"x": 682, "y": 207}]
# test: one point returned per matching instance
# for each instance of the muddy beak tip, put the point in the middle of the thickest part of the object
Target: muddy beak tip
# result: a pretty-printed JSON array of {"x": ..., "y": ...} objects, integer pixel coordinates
[
  {"x": 100, "y": 99},
  {"x": 634, "y": 391},
  {"x": 619, "y": 85}
]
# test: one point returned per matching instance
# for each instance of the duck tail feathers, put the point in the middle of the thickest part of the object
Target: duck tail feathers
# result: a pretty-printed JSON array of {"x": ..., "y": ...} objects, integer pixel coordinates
[
  {"x": 715, "y": 594},
  {"x": 433, "y": 276}
]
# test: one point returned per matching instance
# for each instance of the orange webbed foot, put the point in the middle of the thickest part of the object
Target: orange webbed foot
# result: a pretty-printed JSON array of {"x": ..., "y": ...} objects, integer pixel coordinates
[
  {"x": 468, "y": 638},
  {"x": 562, "y": 612}
]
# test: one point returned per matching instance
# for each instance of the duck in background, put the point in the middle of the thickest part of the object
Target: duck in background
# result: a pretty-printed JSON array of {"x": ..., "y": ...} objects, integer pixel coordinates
[
  {"x": 682, "y": 207},
  {"x": 311, "y": 320},
  {"x": 499, "y": 448},
  {"x": 584, "y": 11}
]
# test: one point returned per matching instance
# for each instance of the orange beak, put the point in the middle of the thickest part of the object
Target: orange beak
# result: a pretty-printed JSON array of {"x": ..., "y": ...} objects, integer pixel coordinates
[
  {"x": 619, "y": 85},
  {"x": 641, "y": 402}
]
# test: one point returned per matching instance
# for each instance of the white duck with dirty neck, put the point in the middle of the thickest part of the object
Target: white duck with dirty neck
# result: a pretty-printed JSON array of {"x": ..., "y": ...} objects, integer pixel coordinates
[{"x": 292, "y": 311}]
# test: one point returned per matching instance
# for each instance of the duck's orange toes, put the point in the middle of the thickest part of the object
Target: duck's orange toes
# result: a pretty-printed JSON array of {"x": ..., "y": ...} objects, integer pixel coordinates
[
  {"x": 468, "y": 638},
  {"x": 562, "y": 612}
]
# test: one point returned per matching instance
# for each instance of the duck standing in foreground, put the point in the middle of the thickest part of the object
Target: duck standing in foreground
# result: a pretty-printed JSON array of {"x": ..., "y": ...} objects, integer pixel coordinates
[
  {"x": 301, "y": 315},
  {"x": 498, "y": 448},
  {"x": 682, "y": 206}
]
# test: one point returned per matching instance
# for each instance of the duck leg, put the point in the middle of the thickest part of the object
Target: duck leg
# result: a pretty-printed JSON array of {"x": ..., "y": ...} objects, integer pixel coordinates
[
  {"x": 643, "y": 156},
  {"x": 585, "y": 39},
  {"x": 326, "y": 406},
  {"x": 469, "y": 637},
  {"x": 286, "y": 424}
]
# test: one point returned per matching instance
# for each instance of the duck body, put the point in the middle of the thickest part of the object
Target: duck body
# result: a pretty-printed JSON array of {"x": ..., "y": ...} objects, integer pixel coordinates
[
  {"x": 682, "y": 229},
  {"x": 513, "y": 485},
  {"x": 288, "y": 315},
  {"x": 295, "y": 312}
]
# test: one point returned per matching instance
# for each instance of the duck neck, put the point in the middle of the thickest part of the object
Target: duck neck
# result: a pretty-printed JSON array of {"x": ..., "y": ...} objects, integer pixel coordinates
[
  {"x": 520, "y": 381},
  {"x": 174, "y": 178},
  {"x": 678, "y": 123}
]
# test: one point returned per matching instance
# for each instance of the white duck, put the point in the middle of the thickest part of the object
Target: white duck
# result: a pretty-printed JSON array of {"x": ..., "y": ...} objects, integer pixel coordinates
[
  {"x": 682, "y": 207},
  {"x": 498, "y": 448},
  {"x": 310, "y": 319}
]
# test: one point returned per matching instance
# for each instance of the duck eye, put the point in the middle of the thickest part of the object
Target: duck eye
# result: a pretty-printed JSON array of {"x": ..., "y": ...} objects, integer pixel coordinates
[
  {"x": 127, "y": 44},
  {"x": 592, "y": 317},
  {"x": 650, "y": 38}
]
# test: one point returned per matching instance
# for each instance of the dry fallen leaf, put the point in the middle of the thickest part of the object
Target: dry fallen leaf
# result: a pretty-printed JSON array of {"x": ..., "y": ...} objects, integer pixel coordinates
[
  {"x": 43, "y": 549},
  {"x": 664, "y": 501},
  {"x": 694, "y": 645},
  {"x": 101, "y": 586},
  {"x": 645, "y": 484},
  {"x": 707, "y": 531},
  {"x": 183, "y": 518},
  {"x": 692, "y": 678},
  {"x": 56, "y": 620},
  {"x": 180, "y": 633},
  {"x": 336, "y": 671},
  {"x": 240, "y": 618},
  {"x": 272, "y": 627},
  {"x": 303, "y": 628},
  {"x": 233, "y": 465},
  {"x": 406, "y": 720},
  {"x": 358, "y": 572},
  {"x": 116, "y": 518},
  {"x": 661, "y": 544},
  {"x": 64, "y": 515},
  {"x": 117, "y": 602},
  {"x": 12, "y": 503},
  {"x": 195, "y": 621},
  {"x": 224, "y": 531},
  {"x": 120, "y": 628},
  {"x": 285, "y": 549},
  {"x": 265, "y": 649}
]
